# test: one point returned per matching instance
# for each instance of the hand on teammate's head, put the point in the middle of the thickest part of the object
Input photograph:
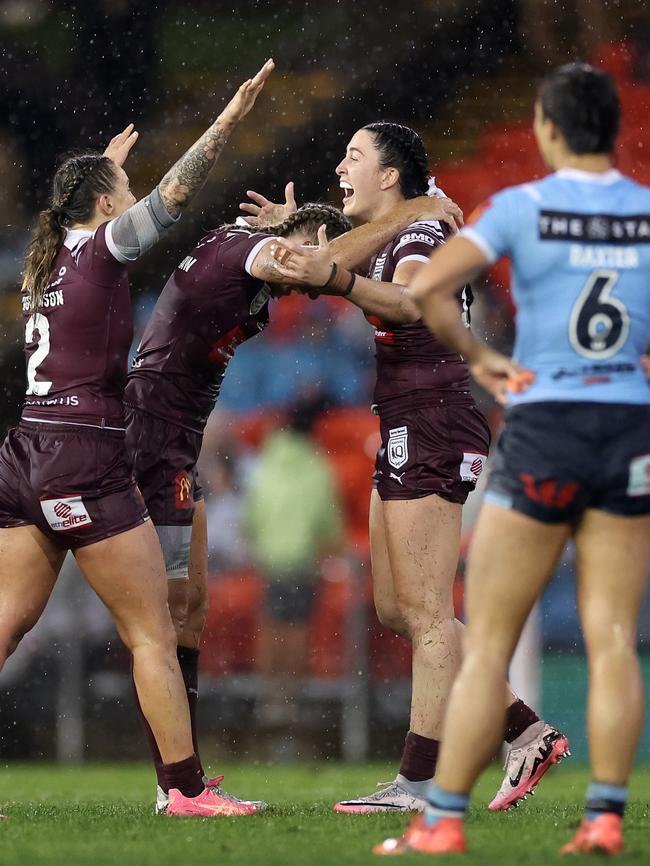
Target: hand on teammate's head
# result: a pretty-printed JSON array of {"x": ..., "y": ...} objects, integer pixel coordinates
[{"x": 264, "y": 212}]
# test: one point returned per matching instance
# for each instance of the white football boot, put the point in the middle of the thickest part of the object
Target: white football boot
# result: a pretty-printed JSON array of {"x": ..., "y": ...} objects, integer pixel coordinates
[
  {"x": 393, "y": 797},
  {"x": 526, "y": 764}
]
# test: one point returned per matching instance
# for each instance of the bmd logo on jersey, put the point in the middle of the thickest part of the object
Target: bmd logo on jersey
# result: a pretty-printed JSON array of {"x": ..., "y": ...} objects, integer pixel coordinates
[
  {"x": 66, "y": 513},
  {"x": 397, "y": 448},
  {"x": 183, "y": 490}
]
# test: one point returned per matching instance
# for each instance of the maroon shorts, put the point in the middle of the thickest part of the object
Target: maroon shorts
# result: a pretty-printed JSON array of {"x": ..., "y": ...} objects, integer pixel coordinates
[
  {"x": 164, "y": 459},
  {"x": 73, "y": 482},
  {"x": 438, "y": 448}
]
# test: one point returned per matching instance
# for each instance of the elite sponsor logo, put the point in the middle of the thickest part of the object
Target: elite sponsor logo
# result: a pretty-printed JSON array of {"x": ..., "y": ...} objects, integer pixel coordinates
[
  {"x": 397, "y": 448},
  {"x": 472, "y": 466},
  {"x": 66, "y": 513}
]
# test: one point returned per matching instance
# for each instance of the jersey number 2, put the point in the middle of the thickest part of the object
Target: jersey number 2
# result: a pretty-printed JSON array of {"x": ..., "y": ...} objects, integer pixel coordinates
[
  {"x": 37, "y": 322},
  {"x": 599, "y": 323}
]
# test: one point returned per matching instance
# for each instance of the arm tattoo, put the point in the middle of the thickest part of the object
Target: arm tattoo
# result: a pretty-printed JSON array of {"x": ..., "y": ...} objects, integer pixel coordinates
[
  {"x": 267, "y": 269},
  {"x": 187, "y": 176}
]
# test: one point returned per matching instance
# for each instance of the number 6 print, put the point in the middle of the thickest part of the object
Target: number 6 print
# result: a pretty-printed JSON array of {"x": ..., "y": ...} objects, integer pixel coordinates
[
  {"x": 599, "y": 323},
  {"x": 37, "y": 322}
]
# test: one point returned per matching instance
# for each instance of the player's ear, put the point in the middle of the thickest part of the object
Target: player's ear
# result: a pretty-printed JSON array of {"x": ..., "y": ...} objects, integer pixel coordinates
[
  {"x": 389, "y": 177},
  {"x": 105, "y": 205}
]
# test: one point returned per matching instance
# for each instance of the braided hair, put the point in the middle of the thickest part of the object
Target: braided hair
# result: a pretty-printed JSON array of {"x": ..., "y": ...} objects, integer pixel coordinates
[
  {"x": 309, "y": 218},
  {"x": 402, "y": 148},
  {"x": 77, "y": 184}
]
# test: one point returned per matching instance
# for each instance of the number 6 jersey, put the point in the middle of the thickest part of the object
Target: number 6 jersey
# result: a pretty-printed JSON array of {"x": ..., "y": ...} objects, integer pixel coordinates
[{"x": 579, "y": 243}]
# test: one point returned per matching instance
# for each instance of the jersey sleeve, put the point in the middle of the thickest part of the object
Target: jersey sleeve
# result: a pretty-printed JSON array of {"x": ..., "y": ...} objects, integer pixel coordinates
[
  {"x": 416, "y": 242},
  {"x": 239, "y": 248},
  {"x": 96, "y": 261},
  {"x": 493, "y": 224}
]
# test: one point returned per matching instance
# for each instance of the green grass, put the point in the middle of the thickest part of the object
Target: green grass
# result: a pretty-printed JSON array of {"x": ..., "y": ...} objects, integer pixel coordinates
[{"x": 99, "y": 815}]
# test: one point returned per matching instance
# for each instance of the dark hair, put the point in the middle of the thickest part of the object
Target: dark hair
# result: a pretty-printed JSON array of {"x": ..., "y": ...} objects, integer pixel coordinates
[
  {"x": 402, "y": 148},
  {"x": 77, "y": 183},
  {"x": 583, "y": 102},
  {"x": 309, "y": 218}
]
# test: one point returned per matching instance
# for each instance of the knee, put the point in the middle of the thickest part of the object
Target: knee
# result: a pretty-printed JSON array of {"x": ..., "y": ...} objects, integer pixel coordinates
[
  {"x": 423, "y": 616},
  {"x": 178, "y": 601},
  {"x": 391, "y": 618},
  {"x": 197, "y": 608},
  {"x": 608, "y": 639}
]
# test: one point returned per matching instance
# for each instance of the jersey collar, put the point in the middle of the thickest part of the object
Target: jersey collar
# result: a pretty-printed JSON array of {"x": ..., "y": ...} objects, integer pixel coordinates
[
  {"x": 73, "y": 236},
  {"x": 603, "y": 178}
]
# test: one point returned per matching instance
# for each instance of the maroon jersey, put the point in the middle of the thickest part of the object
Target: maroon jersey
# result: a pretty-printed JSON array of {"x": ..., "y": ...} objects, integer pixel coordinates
[
  {"x": 410, "y": 359},
  {"x": 210, "y": 305},
  {"x": 77, "y": 342}
]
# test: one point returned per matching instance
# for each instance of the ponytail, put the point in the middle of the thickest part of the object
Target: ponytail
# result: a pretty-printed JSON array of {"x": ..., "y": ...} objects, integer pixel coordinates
[
  {"x": 41, "y": 254},
  {"x": 77, "y": 184}
]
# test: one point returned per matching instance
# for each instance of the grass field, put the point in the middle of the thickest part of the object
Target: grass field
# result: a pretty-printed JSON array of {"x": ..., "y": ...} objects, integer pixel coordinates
[{"x": 99, "y": 815}]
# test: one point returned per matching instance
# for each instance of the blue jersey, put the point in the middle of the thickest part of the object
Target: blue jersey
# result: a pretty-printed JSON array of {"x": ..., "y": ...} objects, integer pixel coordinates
[{"x": 579, "y": 243}]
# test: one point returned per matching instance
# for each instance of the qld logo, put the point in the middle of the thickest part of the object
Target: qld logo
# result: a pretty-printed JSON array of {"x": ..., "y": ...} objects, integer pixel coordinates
[
  {"x": 66, "y": 513},
  {"x": 397, "y": 448}
]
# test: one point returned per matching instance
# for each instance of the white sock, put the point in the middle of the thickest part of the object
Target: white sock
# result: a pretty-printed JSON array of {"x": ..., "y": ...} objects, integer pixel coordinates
[
  {"x": 531, "y": 733},
  {"x": 418, "y": 789}
]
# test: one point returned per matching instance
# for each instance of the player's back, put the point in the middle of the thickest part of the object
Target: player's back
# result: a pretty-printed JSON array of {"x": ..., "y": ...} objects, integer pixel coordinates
[
  {"x": 210, "y": 305},
  {"x": 77, "y": 342},
  {"x": 580, "y": 249}
]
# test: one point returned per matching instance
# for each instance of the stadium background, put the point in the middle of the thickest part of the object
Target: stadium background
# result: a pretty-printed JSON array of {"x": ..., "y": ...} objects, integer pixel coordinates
[{"x": 463, "y": 74}]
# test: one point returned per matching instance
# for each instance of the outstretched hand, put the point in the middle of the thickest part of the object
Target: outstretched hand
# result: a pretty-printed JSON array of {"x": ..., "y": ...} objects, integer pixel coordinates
[
  {"x": 265, "y": 212},
  {"x": 498, "y": 374},
  {"x": 244, "y": 99},
  {"x": 120, "y": 145},
  {"x": 304, "y": 265}
]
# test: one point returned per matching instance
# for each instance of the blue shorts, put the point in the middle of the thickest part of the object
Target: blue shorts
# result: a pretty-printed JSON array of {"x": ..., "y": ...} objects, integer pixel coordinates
[{"x": 554, "y": 460}]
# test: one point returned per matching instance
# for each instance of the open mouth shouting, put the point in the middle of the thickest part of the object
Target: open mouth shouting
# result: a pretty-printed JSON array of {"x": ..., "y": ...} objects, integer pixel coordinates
[{"x": 348, "y": 192}]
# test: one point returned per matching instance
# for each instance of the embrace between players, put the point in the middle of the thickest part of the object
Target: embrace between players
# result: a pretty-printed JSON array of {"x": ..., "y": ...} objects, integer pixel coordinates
[{"x": 67, "y": 471}]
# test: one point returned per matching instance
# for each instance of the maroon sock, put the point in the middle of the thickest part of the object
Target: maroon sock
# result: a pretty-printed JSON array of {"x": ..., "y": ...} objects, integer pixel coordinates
[
  {"x": 188, "y": 659},
  {"x": 185, "y": 775},
  {"x": 419, "y": 758},
  {"x": 151, "y": 740},
  {"x": 519, "y": 716}
]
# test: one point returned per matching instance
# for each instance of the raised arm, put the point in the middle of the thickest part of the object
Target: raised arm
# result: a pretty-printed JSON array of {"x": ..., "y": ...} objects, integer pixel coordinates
[
  {"x": 187, "y": 176},
  {"x": 142, "y": 225}
]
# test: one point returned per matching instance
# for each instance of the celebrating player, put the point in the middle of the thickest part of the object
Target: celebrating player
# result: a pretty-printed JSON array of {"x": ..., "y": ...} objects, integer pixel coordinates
[
  {"x": 434, "y": 445},
  {"x": 573, "y": 459},
  {"x": 65, "y": 477},
  {"x": 215, "y": 300}
]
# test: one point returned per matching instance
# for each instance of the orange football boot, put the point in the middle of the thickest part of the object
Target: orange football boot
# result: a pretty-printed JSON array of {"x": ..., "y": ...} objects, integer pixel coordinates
[
  {"x": 602, "y": 835},
  {"x": 445, "y": 837}
]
